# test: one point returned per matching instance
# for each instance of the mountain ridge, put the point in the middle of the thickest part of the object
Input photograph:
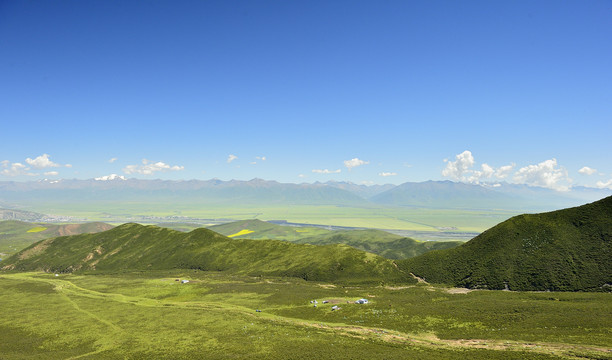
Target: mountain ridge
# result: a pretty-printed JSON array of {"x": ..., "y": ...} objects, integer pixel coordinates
[
  {"x": 431, "y": 194},
  {"x": 562, "y": 250},
  {"x": 378, "y": 242},
  {"x": 16, "y": 235},
  {"x": 138, "y": 247}
]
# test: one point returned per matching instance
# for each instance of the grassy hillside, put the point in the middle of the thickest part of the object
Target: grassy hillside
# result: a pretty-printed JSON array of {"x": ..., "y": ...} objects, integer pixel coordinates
[
  {"x": 565, "y": 250},
  {"x": 16, "y": 235},
  {"x": 382, "y": 243},
  {"x": 379, "y": 242},
  {"x": 257, "y": 229},
  {"x": 133, "y": 246}
]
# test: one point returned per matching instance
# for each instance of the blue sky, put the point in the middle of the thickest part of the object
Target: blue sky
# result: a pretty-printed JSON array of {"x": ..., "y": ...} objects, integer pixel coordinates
[{"x": 475, "y": 91}]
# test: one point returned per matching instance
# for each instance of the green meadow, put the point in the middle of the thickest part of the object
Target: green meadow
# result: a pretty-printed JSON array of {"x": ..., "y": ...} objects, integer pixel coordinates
[
  {"x": 142, "y": 315},
  {"x": 376, "y": 217}
]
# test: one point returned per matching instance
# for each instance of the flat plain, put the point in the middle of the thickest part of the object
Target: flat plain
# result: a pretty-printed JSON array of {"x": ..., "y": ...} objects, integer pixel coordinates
[{"x": 374, "y": 217}]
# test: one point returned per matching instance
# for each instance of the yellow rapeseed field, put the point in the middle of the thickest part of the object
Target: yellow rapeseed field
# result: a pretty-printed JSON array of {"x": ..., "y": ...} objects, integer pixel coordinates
[{"x": 241, "y": 232}]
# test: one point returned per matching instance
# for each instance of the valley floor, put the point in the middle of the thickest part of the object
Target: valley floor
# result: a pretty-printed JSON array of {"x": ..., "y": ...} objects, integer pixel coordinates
[{"x": 215, "y": 315}]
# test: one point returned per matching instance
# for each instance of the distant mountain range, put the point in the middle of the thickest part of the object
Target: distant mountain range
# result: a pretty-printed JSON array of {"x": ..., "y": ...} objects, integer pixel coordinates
[
  {"x": 432, "y": 194},
  {"x": 214, "y": 191}
]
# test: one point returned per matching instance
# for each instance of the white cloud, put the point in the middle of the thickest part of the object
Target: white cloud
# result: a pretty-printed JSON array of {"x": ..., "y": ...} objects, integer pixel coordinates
[
  {"x": 385, "y": 174},
  {"x": 262, "y": 158},
  {"x": 462, "y": 169},
  {"x": 545, "y": 174},
  {"x": 326, "y": 171},
  {"x": 51, "y": 173},
  {"x": 15, "y": 169},
  {"x": 301, "y": 176},
  {"x": 503, "y": 171},
  {"x": 354, "y": 163},
  {"x": 148, "y": 168},
  {"x": 231, "y": 158},
  {"x": 112, "y": 160},
  {"x": 587, "y": 171},
  {"x": 458, "y": 168},
  {"x": 487, "y": 171},
  {"x": 41, "y": 162},
  {"x": 604, "y": 185},
  {"x": 110, "y": 177},
  {"x": 5, "y": 163}
]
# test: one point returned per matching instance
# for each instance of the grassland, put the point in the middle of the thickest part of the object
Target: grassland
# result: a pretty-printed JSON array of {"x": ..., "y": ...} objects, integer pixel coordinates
[
  {"x": 385, "y": 244},
  {"x": 151, "y": 315},
  {"x": 261, "y": 230},
  {"x": 377, "y": 217}
]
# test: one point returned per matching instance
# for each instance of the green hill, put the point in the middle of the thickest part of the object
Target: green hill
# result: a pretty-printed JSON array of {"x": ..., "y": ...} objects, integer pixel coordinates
[
  {"x": 564, "y": 250},
  {"x": 378, "y": 242},
  {"x": 138, "y": 247},
  {"x": 257, "y": 229},
  {"x": 16, "y": 235}
]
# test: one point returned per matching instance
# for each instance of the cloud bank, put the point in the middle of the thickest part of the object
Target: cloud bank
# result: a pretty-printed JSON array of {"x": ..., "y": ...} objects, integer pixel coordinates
[
  {"x": 148, "y": 168},
  {"x": 15, "y": 169},
  {"x": 546, "y": 174},
  {"x": 39, "y": 162}
]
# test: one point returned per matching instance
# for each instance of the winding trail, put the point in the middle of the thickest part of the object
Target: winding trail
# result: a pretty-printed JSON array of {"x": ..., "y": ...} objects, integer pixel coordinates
[{"x": 67, "y": 289}]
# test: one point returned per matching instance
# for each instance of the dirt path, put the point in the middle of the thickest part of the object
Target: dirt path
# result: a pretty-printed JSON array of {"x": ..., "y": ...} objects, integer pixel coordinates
[
  {"x": 419, "y": 280},
  {"x": 429, "y": 340}
]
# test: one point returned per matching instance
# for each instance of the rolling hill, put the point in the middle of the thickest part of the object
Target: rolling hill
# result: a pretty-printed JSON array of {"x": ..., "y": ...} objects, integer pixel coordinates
[
  {"x": 262, "y": 230},
  {"x": 378, "y": 242},
  {"x": 137, "y": 247},
  {"x": 16, "y": 235},
  {"x": 564, "y": 250}
]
